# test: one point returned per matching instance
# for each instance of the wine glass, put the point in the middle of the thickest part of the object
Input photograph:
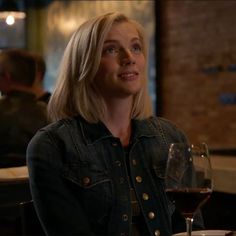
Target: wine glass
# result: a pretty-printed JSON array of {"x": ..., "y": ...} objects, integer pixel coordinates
[{"x": 188, "y": 178}]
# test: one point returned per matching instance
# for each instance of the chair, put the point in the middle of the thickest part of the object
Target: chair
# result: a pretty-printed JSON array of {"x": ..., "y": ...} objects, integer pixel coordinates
[
  {"x": 12, "y": 193},
  {"x": 30, "y": 225},
  {"x": 12, "y": 160}
]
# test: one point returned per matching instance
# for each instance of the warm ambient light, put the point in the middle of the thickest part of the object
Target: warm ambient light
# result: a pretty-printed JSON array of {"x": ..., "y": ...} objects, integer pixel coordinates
[
  {"x": 10, "y": 15},
  {"x": 11, "y": 11},
  {"x": 10, "y": 20}
]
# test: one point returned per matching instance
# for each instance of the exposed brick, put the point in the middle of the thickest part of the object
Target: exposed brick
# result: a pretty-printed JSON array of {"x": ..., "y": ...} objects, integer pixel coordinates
[{"x": 198, "y": 35}]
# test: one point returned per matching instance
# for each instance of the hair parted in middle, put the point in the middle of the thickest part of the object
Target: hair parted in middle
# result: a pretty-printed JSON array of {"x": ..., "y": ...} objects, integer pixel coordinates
[{"x": 74, "y": 93}]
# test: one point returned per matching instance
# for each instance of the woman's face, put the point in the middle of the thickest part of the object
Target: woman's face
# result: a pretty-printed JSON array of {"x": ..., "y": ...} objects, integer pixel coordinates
[{"x": 122, "y": 68}]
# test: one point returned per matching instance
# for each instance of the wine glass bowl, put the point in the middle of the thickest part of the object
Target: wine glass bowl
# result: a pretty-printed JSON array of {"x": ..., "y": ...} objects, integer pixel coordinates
[{"x": 188, "y": 178}]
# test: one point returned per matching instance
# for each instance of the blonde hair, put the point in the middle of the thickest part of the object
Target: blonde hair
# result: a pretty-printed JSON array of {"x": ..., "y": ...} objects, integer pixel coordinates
[{"x": 74, "y": 93}]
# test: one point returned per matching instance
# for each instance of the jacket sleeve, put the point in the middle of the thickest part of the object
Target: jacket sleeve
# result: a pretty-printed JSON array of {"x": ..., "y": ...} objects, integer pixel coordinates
[{"x": 59, "y": 211}]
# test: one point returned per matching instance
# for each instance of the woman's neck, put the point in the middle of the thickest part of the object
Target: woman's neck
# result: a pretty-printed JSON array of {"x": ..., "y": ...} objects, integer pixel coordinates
[{"x": 118, "y": 120}]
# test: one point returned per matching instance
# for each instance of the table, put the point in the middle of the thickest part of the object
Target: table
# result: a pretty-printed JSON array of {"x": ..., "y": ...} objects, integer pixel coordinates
[
  {"x": 14, "y": 173},
  {"x": 224, "y": 173}
]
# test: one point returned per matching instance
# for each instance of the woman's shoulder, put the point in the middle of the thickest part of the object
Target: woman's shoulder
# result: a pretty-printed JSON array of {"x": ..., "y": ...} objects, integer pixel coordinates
[
  {"x": 57, "y": 129},
  {"x": 168, "y": 127},
  {"x": 162, "y": 122},
  {"x": 56, "y": 133}
]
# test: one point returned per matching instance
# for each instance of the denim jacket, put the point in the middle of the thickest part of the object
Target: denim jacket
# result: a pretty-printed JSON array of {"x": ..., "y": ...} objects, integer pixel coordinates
[{"x": 79, "y": 179}]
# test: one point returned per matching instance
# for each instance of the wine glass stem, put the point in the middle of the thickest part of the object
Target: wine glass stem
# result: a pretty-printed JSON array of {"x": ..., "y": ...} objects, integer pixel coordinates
[{"x": 189, "y": 222}]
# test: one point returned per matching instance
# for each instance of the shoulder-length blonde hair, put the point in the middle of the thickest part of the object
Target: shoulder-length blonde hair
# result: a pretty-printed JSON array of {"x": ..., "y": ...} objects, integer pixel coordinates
[{"x": 74, "y": 93}]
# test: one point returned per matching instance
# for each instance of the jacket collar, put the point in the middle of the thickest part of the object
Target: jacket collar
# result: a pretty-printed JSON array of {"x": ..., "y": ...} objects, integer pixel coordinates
[{"x": 93, "y": 132}]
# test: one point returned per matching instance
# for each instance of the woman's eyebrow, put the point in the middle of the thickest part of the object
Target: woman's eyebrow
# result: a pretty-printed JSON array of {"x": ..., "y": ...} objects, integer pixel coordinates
[
  {"x": 110, "y": 41},
  {"x": 116, "y": 41}
]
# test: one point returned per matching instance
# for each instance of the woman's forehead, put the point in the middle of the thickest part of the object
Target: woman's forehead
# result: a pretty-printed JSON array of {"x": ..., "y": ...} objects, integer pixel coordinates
[{"x": 123, "y": 29}]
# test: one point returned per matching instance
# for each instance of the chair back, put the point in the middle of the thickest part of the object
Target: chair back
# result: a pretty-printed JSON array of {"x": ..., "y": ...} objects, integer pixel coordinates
[
  {"x": 30, "y": 224},
  {"x": 13, "y": 191}
]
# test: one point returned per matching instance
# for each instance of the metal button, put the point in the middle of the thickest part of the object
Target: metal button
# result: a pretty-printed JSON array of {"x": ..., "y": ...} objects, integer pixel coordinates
[
  {"x": 157, "y": 232},
  {"x": 122, "y": 180},
  {"x": 138, "y": 179},
  {"x": 114, "y": 144},
  {"x": 145, "y": 196},
  {"x": 125, "y": 217},
  {"x": 134, "y": 162},
  {"x": 86, "y": 180},
  {"x": 151, "y": 215},
  {"x": 118, "y": 163}
]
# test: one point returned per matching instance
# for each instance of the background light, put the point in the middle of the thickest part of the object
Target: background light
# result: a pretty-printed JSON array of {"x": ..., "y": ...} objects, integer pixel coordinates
[
  {"x": 10, "y": 20},
  {"x": 11, "y": 10}
]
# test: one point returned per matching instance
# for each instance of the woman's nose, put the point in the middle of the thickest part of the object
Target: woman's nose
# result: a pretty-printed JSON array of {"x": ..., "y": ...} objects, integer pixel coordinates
[{"x": 127, "y": 58}]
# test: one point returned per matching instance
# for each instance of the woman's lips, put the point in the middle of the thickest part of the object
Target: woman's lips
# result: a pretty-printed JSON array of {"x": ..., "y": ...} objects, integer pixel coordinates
[{"x": 128, "y": 75}]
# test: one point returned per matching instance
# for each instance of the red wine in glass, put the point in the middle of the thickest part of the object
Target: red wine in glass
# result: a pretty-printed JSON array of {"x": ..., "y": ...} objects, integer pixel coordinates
[
  {"x": 189, "y": 200},
  {"x": 188, "y": 178}
]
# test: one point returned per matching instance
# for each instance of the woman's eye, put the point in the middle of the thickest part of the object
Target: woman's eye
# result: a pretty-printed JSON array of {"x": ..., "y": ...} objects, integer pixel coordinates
[
  {"x": 137, "y": 48},
  {"x": 110, "y": 50}
]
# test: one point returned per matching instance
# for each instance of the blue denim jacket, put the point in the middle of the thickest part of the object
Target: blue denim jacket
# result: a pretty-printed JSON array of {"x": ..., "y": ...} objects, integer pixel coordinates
[{"x": 79, "y": 179}]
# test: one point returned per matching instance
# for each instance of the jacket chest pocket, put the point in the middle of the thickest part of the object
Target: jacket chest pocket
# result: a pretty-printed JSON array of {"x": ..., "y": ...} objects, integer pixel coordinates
[
  {"x": 86, "y": 175},
  {"x": 92, "y": 187}
]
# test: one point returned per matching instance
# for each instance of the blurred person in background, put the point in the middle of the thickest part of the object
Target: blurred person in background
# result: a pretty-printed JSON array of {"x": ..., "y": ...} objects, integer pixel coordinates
[
  {"x": 38, "y": 86},
  {"x": 21, "y": 115}
]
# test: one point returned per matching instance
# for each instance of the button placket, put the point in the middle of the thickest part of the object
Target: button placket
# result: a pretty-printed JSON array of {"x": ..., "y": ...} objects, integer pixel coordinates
[
  {"x": 119, "y": 173},
  {"x": 145, "y": 196}
]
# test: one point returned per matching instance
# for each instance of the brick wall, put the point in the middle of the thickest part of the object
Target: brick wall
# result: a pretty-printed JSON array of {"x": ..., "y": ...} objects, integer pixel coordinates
[{"x": 198, "y": 48}]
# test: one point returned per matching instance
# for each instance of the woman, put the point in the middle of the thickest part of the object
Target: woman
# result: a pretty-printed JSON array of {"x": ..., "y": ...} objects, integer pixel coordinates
[{"x": 98, "y": 169}]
